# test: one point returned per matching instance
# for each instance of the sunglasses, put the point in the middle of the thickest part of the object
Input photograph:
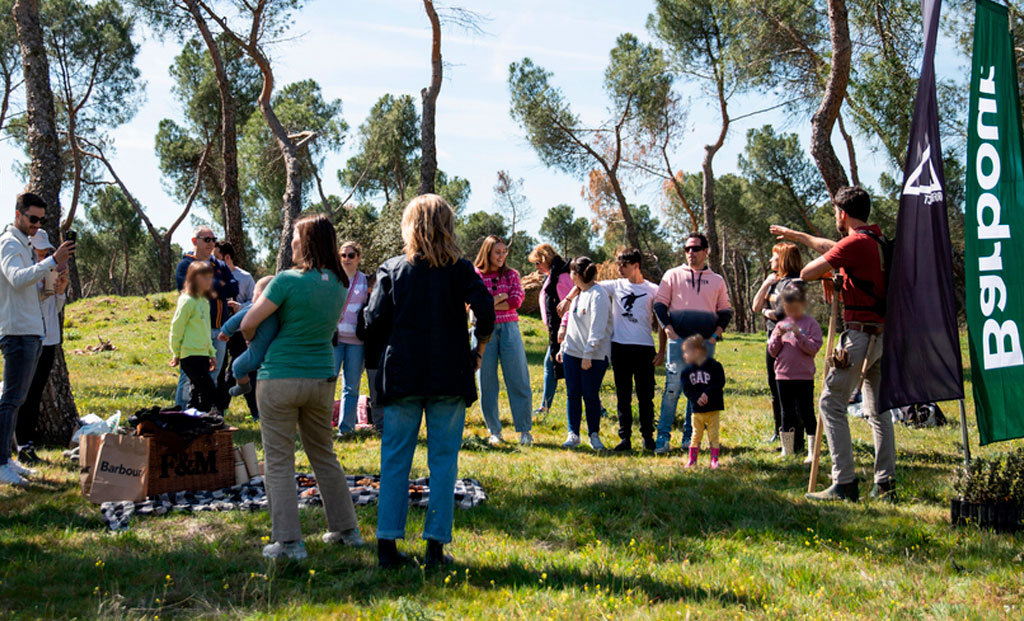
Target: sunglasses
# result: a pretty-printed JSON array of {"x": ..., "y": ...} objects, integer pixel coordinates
[
  {"x": 694, "y": 249},
  {"x": 208, "y": 240},
  {"x": 349, "y": 255},
  {"x": 37, "y": 219}
]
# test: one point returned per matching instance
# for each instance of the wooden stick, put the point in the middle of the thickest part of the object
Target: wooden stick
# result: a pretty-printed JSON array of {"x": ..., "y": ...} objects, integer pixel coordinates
[{"x": 832, "y": 321}]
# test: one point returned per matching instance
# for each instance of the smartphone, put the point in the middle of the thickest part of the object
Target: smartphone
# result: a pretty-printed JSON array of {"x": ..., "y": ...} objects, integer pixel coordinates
[{"x": 71, "y": 236}]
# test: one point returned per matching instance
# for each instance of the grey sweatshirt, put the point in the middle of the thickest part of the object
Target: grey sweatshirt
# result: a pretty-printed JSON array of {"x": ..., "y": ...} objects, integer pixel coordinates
[{"x": 589, "y": 325}]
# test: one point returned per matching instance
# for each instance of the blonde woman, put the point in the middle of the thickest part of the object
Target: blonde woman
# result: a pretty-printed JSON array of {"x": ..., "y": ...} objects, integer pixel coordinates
[
  {"x": 506, "y": 345},
  {"x": 417, "y": 310}
]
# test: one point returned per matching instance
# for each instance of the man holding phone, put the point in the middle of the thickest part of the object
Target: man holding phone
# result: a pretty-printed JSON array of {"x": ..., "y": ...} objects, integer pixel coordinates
[
  {"x": 225, "y": 290},
  {"x": 21, "y": 319}
]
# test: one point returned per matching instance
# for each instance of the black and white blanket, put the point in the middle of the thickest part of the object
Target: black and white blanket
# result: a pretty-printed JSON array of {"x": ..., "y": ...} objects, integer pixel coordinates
[{"x": 253, "y": 497}]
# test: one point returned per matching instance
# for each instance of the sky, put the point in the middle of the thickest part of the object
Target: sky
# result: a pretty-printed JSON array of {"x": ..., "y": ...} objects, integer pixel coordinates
[{"x": 358, "y": 51}]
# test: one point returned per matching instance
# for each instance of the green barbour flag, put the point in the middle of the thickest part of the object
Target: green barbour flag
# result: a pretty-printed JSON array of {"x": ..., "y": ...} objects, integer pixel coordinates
[{"x": 995, "y": 229}]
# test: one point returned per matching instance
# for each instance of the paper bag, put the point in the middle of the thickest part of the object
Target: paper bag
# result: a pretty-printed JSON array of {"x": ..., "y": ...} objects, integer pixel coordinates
[
  {"x": 121, "y": 469},
  {"x": 88, "y": 448}
]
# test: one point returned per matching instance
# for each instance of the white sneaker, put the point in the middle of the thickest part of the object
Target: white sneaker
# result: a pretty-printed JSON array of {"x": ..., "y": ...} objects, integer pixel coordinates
[
  {"x": 10, "y": 477},
  {"x": 294, "y": 550},
  {"x": 525, "y": 439},
  {"x": 494, "y": 440},
  {"x": 19, "y": 469},
  {"x": 350, "y": 538},
  {"x": 571, "y": 441},
  {"x": 595, "y": 442}
]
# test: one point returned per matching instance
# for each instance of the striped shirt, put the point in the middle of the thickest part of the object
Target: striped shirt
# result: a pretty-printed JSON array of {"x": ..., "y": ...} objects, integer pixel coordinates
[{"x": 509, "y": 284}]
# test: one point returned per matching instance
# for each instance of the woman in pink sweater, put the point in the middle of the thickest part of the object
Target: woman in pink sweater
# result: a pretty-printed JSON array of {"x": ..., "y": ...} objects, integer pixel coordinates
[
  {"x": 506, "y": 345},
  {"x": 794, "y": 343}
]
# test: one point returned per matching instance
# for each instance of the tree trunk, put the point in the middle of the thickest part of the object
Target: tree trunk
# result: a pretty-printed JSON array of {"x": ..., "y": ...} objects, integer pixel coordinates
[
  {"x": 824, "y": 118},
  {"x": 851, "y": 152},
  {"x": 164, "y": 253},
  {"x": 428, "y": 139},
  {"x": 708, "y": 198},
  {"x": 75, "y": 280},
  {"x": 58, "y": 416},
  {"x": 53, "y": 427},
  {"x": 632, "y": 236},
  {"x": 231, "y": 203},
  {"x": 292, "y": 199},
  {"x": 708, "y": 186}
]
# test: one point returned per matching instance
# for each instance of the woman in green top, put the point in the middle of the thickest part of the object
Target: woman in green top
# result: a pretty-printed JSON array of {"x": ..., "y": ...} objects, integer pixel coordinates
[
  {"x": 191, "y": 346},
  {"x": 296, "y": 387}
]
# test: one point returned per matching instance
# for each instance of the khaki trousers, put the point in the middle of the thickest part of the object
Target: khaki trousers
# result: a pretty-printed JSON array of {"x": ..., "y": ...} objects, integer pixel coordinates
[
  {"x": 702, "y": 420},
  {"x": 839, "y": 386},
  {"x": 287, "y": 404}
]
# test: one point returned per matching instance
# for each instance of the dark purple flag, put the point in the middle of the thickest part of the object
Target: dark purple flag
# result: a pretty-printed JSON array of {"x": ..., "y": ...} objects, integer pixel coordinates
[{"x": 921, "y": 354}]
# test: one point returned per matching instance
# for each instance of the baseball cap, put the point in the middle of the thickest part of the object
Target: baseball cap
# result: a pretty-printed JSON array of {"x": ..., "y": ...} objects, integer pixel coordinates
[{"x": 41, "y": 241}]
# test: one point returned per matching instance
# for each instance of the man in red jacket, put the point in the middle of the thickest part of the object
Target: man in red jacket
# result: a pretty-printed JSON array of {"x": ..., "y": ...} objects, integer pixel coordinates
[{"x": 859, "y": 259}]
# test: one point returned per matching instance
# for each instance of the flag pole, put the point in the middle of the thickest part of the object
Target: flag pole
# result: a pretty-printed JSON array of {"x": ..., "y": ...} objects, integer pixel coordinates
[{"x": 963, "y": 433}]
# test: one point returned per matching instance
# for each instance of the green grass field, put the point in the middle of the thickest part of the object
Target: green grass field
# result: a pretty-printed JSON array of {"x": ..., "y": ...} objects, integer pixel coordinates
[{"x": 565, "y": 535}]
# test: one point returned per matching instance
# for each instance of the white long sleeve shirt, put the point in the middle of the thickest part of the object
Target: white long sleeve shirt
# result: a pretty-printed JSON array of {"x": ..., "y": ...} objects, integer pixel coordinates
[
  {"x": 588, "y": 332},
  {"x": 51, "y": 306},
  {"x": 20, "y": 311}
]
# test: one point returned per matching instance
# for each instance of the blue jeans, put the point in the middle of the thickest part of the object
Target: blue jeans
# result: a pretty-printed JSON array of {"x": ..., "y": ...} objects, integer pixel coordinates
[
  {"x": 185, "y": 387},
  {"x": 506, "y": 347},
  {"x": 21, "y": 353},
  {"x": 550, "y": 381},
  {"x": 349, "y": 357},
  {"x": 446, "y": 417},
  {"x": 583, "y": 388},
  {"x": 674, "y": 368}
]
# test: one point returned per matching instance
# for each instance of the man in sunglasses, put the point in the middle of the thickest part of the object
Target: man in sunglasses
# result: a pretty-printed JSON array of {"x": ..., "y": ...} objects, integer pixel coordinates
[
  {"x": 691, "y": 299},
  {"x": 21, "y": 319},
  {"x": 225, "y": 290}
]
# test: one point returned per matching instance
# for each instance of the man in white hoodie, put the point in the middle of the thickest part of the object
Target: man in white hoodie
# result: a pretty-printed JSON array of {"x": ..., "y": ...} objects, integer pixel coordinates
[
  {"x": 21, "y": 319},
  {"x": 691, "y": 299}
]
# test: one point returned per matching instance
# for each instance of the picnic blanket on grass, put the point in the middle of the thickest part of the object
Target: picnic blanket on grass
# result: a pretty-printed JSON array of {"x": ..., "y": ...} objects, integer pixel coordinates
[{"x": 252, "y": 496}]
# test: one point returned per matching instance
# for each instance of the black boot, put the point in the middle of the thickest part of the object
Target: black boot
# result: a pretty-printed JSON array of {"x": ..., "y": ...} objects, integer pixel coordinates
[
  {"x": 623, "y": 447},
  {"x": 436, "y": 556},
  {"x": 837, "y": 491},
  {"x": 388, "y": 556},
  {"x": 886, "y": 492},
  {"x": 649, "y": 443}
]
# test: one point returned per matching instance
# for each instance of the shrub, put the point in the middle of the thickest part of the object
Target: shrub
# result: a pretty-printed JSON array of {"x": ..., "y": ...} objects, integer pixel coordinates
[
  {"x": 999, "y": 479},
  {"x": 161, "y": 303}
]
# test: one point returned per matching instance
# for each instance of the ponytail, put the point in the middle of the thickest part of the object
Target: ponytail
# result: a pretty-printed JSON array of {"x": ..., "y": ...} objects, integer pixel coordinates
[{"x": 584, "y": 268}]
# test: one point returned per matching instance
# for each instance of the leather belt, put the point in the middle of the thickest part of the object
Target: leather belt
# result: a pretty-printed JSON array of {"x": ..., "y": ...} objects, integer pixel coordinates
[{"x": 867, "y": 328}]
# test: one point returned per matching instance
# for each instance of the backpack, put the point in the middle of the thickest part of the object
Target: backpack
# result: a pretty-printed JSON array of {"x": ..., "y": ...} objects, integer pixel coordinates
[
  {"x": 886, "y": 247},
  {"x": 920, "y": 416}
]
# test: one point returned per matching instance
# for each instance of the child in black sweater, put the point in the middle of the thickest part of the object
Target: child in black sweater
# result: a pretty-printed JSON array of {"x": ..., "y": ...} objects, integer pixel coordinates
[{"x": 703, "y": 383}]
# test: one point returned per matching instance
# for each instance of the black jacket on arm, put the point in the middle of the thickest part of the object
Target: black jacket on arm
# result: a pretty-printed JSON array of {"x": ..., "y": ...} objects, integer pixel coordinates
[{"x": 419, "y": 313}]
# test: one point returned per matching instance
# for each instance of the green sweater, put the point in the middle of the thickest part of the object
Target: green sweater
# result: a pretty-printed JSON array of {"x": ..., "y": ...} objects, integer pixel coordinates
[{"x": 190, "y": 328}]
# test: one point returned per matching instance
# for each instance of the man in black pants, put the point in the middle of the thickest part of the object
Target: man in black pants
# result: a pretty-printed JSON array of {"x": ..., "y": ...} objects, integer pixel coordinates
[{"x": 633, "y": 355}]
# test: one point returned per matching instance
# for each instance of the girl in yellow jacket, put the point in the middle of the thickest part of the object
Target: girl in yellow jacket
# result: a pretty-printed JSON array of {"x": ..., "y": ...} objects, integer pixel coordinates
[{"x": 191, "y": 345}]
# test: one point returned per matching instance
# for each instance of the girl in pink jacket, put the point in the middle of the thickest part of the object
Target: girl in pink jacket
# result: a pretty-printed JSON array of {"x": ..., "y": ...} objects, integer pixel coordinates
[{"x": 794, "y": 343}]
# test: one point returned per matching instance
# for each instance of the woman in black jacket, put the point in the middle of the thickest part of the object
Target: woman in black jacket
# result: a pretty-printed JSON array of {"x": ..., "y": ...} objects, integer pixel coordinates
[
  {"x": 418, "y": 311},
  {"x": 557, "y": 284}
]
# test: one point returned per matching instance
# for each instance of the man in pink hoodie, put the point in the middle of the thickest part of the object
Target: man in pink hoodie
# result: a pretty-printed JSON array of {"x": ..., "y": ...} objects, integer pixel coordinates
[{"x": 691, "y": 299}]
